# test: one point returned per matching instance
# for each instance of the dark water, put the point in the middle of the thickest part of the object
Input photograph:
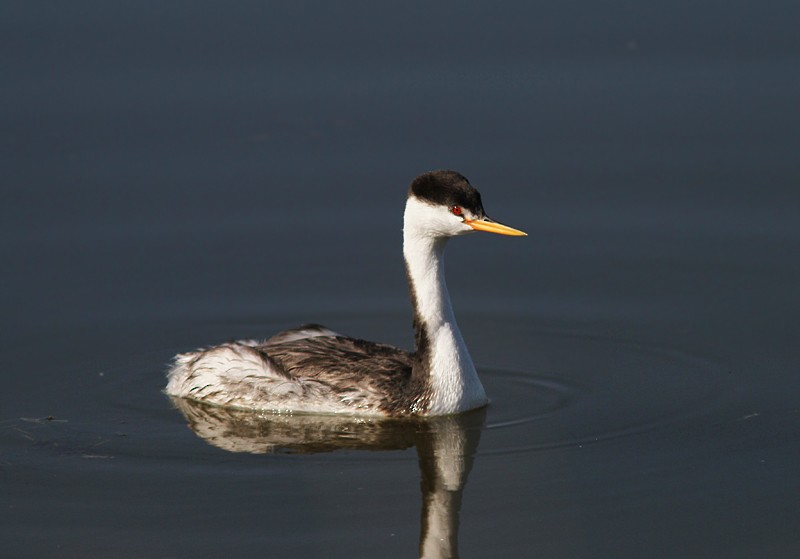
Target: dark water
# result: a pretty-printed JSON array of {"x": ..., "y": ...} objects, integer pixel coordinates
[{"x": 182, "y": 173}]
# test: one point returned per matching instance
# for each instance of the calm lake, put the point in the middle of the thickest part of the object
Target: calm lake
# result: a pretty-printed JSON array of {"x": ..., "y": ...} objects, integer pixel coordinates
[{"x": 180, "y": 174}]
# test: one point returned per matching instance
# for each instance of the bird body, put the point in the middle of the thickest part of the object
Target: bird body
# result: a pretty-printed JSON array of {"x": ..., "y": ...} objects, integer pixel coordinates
[{"x": 313, "y": 369}]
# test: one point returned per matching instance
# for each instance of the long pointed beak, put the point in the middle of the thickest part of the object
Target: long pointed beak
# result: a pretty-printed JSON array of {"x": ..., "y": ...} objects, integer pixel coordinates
[{"x": 494, "y": 227}]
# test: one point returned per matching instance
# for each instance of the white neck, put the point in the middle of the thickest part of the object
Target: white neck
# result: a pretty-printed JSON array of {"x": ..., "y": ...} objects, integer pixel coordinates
[{"x": 454, "y": 383}]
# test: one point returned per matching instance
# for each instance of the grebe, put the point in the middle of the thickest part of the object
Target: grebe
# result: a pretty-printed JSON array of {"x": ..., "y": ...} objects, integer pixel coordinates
[{"x": 313, "y": 369}]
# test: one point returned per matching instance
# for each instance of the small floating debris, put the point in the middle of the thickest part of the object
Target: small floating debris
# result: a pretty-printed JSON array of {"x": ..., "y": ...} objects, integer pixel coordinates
[{"x": 42, "y": 420}]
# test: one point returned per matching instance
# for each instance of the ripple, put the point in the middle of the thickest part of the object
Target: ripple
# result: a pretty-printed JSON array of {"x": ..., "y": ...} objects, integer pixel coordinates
[
  {"x": 603, "y": 389},
  {"x": 539, "y": 396}
]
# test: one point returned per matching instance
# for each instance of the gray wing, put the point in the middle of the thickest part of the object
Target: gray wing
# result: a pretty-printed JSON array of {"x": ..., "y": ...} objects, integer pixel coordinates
[
  {"x": 356, "y": 370},
  {"x": 339, "y": 359}
]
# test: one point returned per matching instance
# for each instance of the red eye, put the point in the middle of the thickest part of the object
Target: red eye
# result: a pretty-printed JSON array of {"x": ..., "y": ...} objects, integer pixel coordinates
[{"x": 456, "y": 210}]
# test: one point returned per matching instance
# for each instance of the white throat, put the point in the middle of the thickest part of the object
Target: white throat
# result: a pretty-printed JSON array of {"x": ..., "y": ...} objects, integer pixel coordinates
[{"x": 454, "y": 383}]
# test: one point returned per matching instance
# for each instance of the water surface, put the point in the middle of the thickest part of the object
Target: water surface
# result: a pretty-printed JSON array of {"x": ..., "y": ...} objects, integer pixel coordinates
[{"x": 181, "y": 175}]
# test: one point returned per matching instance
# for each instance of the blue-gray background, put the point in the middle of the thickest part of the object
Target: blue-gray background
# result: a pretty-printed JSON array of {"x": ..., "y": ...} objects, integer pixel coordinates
[{"x": 190, "y": 162}]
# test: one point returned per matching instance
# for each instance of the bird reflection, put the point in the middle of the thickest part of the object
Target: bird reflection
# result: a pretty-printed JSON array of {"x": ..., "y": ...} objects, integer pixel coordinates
[{"x": 445, "y": 446}]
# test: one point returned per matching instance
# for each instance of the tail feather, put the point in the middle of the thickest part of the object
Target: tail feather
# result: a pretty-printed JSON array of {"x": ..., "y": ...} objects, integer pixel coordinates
[{"x": 233, "y": 369}]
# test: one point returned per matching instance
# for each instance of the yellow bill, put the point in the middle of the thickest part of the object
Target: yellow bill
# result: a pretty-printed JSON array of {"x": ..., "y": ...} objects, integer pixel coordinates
[{"x": 494, "y": 227}]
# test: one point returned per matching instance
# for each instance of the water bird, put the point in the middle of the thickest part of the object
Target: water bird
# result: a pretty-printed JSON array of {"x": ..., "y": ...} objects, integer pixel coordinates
[{"x": 316, "y": 370}]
